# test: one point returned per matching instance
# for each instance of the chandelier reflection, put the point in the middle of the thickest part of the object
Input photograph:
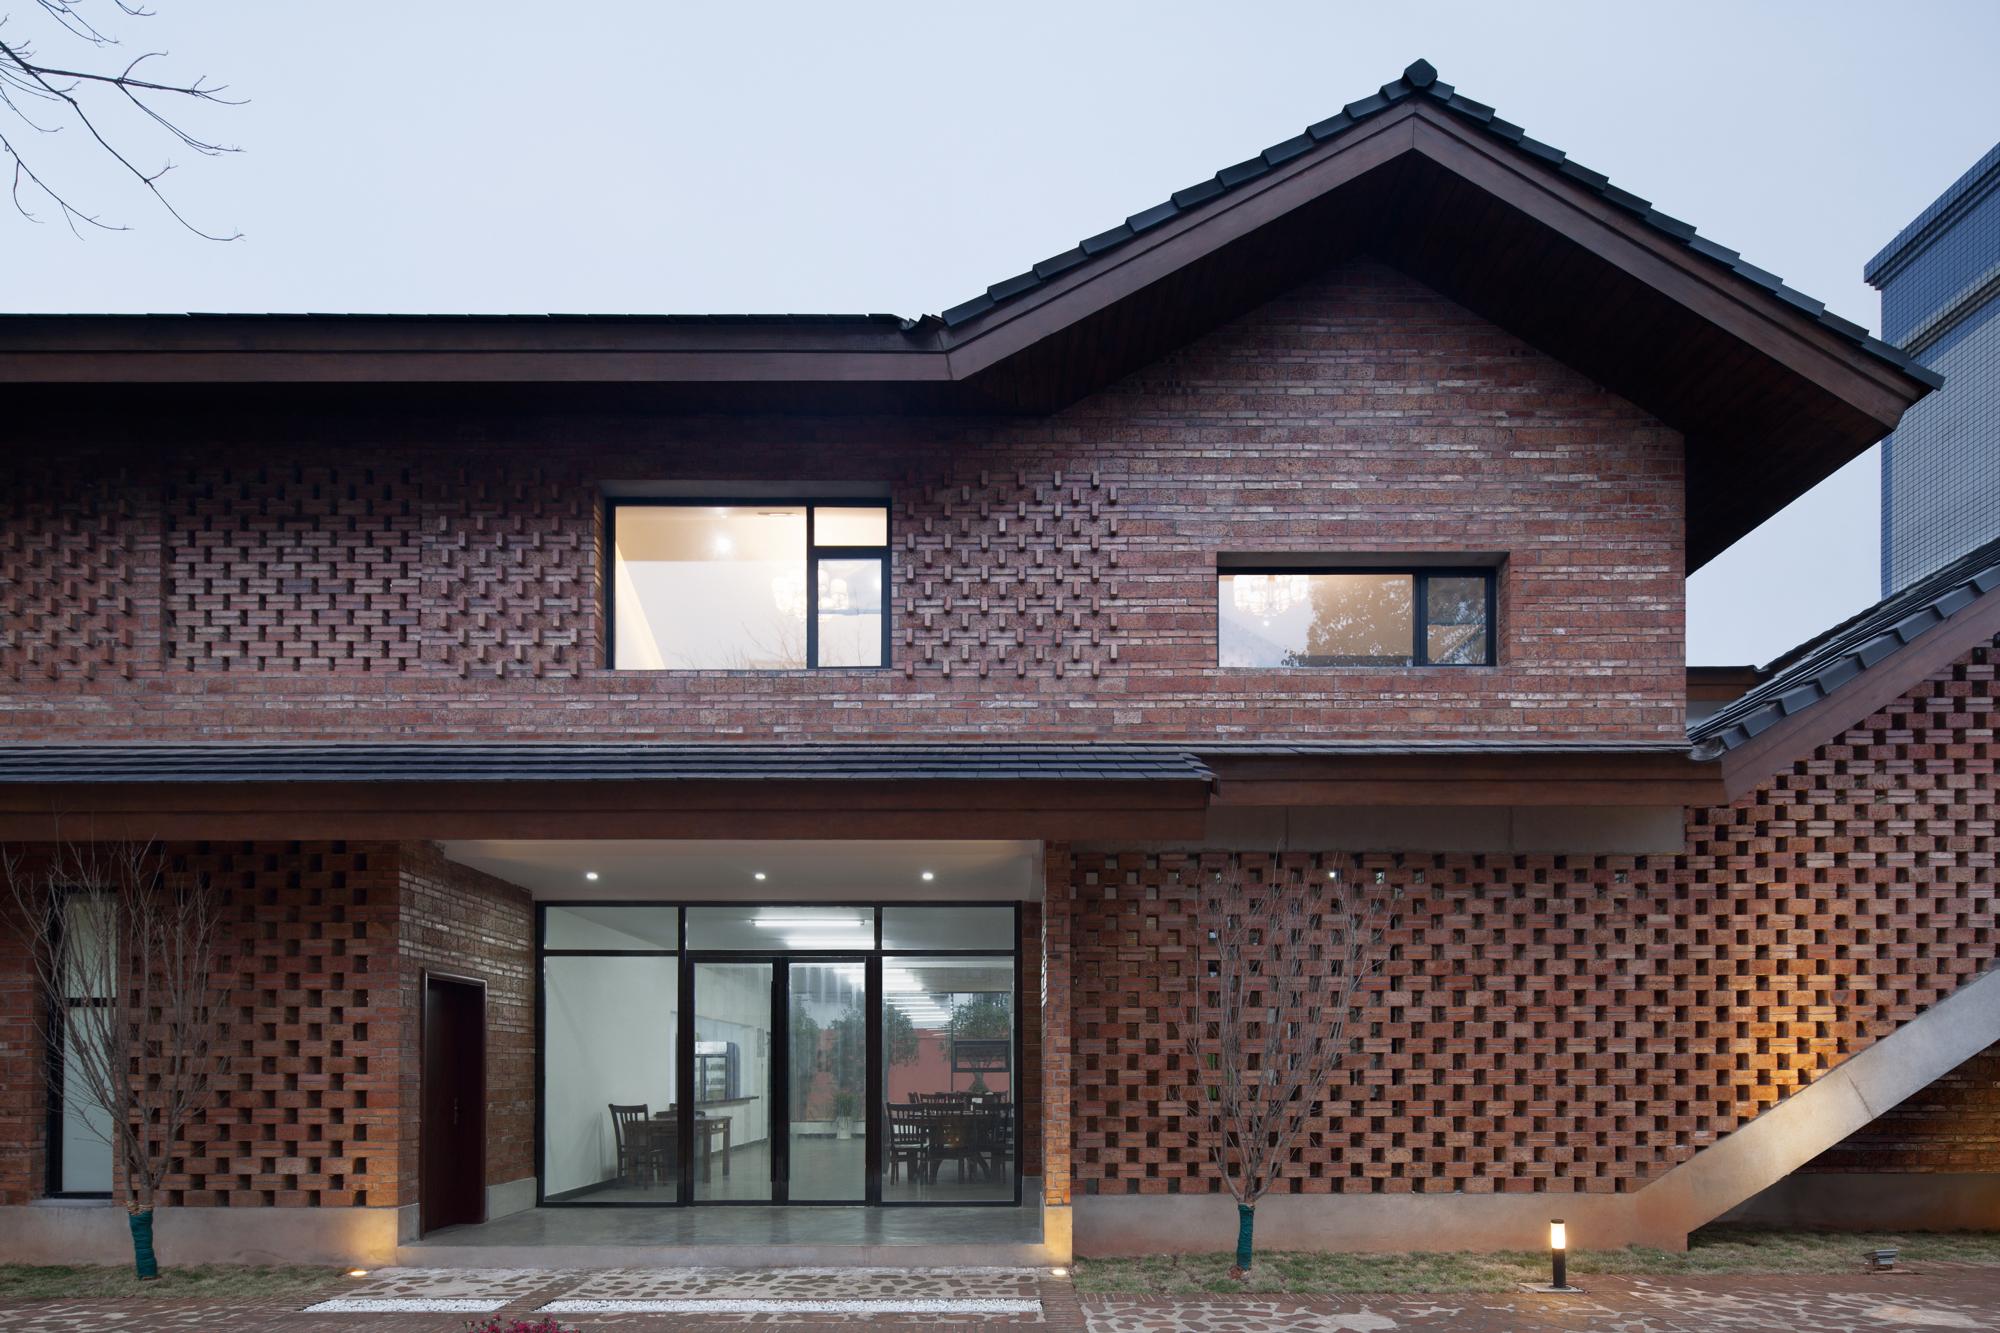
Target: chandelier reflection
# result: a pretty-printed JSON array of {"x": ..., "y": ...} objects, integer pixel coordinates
[
  {"x": 789, "y": 592},
  {"x": 1268, "y": 595}
]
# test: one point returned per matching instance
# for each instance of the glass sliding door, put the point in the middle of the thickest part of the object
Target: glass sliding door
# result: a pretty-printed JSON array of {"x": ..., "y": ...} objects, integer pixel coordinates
[
  {"x": 733, "y": 1059},
  {"x": 827, "y": 1092},
  {"x": 752, "y": 1053},
  {"x": 610, "y": 1000},
  {"x": 948, "y": 1079}
]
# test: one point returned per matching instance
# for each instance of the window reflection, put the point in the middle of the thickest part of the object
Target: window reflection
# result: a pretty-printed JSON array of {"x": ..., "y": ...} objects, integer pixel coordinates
[
  {"x": 710, "y": 588},
  {"x": 767, "y": 587},
  {"x": 1353, "y": 618},
  {"x": 948, "y": 1057},
  {"x": 1292, "y": 620}
]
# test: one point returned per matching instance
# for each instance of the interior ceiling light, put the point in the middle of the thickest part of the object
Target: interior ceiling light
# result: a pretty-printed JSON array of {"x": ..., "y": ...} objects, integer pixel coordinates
[
  {"x": 928, "y": 876},
  {"x": 757, "y": 874},
  {"x": 590, "y": 874}
]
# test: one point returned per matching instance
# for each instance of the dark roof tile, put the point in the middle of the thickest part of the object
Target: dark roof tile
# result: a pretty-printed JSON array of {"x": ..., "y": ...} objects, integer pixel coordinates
[
  {"x": 1104, "y": 240},
  {"x": 1230, "y": 177},
  {"x": 1280, "y": 153},
  {"x": 1420, "y": 79},
  {"x": 594, "y": 762},
  {"x": 1323, "y": 130},
  {"x": 1197, "y": 194},
  {"x": 1153, "y": 216},
  {"x": 1826, "y": 664}
]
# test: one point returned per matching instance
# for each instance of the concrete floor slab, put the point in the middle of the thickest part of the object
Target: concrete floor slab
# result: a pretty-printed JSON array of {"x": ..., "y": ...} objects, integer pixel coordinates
[{"x": 746, "y": 1237}]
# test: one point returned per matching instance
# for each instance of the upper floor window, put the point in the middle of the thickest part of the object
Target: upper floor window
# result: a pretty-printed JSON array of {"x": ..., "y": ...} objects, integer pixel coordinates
[
  {"x": 1356, "y": 617},
  {"x": 757, "y": 586}
]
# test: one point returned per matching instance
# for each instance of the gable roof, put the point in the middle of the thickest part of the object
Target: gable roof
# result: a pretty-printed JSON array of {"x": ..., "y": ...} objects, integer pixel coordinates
[
  {"x": 1771, "y": 392},
  {"x": 1420, "y": 80},
  {"x": 1901, "y": 630}
]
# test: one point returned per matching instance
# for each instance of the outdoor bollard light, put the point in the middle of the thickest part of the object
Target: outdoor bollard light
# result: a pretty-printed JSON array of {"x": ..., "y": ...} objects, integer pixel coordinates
[{"x": 1558, "y": 1254}]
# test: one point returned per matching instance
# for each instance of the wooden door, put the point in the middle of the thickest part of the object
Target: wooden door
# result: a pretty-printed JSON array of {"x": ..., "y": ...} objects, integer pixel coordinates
[{"x": 452, "y": 1139}]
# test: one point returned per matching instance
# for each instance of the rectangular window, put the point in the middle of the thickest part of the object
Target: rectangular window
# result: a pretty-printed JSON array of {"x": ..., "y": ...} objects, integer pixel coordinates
[
  {"x": 88, "y": 954},
  {"x": 760, "y": 586},
  {"x": 1355, "y": 617}
]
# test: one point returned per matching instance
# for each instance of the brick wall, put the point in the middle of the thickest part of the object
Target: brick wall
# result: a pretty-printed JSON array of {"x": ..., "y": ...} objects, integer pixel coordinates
[
  {"x": 308, "y": 1109},
  {"x": 457, "y": 920},
  {"x": 1552, "y": 1023},
  {"x": 23, "y": 1065},
  {"x": 358, "y": 573},
  {"x": 321, "y": 962},
  {"x": 1953, "y": 1125}
]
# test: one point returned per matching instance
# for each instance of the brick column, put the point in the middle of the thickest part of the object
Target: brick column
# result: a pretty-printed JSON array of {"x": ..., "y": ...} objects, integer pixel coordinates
[{"x": 1056, "y": 1070}]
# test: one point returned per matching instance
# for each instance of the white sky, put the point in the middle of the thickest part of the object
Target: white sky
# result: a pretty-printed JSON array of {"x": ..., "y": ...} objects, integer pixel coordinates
[{"x": 646, "y": 156}]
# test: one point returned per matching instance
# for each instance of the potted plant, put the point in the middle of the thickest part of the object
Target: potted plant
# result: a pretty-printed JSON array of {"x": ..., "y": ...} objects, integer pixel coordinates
[{"x": 845, "y": 1105}]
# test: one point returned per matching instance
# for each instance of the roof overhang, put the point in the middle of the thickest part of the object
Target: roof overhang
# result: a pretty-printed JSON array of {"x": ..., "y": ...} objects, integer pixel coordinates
[
  {"x": 1770, "y": 391},
  {"x": 1140, "y": 792}
]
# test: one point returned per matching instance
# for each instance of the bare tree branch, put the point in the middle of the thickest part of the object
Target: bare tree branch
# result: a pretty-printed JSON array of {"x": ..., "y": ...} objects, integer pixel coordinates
[
  {"x": 125, "y": 956},
  {"x": 1286, "y": 961},
  {"x": 73, "y": 95}
]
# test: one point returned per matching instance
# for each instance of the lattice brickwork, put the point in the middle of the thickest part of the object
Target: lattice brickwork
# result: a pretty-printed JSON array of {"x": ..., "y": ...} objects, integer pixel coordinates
[
  {"x": 295, "y": 567},
  {"x": 1580, "y": 1023},
  {"x": 1010, "y": 574},
  {"x": 79, "y": 574},
  {"x": 513, "y": 574},
  {"x": 308, "y": 1112}
]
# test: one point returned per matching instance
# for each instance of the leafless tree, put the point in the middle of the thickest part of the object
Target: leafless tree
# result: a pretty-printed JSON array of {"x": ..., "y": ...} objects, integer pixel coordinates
[
  {"x": 47, "y": 95},
  {"x": 124, "y": 963},
  {"x": 1286, "y": 963}
]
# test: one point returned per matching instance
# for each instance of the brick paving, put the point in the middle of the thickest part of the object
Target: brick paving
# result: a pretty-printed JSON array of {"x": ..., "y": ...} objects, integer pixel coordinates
[{"x": 1943, "y": 1298}]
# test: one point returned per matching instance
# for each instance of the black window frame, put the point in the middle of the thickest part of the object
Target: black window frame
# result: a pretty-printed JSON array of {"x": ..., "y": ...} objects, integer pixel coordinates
[
  {"x": 873, "y": 958},
  {"x": 815, "y": 553},
  {"x": 1420, "y": 576}
]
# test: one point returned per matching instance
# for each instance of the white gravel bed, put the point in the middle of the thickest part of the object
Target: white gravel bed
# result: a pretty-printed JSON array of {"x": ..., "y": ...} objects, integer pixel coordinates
[
  {"x": 405, "y": 1305},
  {"x": 747, "y": 1306}
]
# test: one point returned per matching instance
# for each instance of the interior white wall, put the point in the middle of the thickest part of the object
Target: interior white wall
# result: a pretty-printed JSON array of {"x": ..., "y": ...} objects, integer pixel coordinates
[
  {"x": 609, "y": 1038},
  {"x": 732, "y": 1002}
]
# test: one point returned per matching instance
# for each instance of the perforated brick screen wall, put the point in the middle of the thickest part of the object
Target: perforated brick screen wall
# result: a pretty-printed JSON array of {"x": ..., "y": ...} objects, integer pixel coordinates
[
  {"x": 79, "y": 573},
  {"x": 307, "y": 1109},
  {"x": 322, "y": 964},
  {"x": 348, "y": 571},
  {"x": 1576, "y": 1023}
]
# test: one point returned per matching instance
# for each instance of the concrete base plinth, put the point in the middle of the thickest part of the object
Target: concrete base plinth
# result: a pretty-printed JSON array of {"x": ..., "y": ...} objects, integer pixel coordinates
[{"x": 96, "y": 1232}]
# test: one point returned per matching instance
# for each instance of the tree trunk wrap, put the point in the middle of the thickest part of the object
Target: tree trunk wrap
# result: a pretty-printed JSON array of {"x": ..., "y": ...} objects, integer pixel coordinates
[
  {"x": 143, "y": 1262},
  {"x": 1246, "y": 1223}
]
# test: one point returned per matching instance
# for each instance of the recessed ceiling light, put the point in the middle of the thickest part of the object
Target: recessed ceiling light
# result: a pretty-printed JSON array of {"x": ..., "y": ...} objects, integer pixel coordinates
[
  {"x": 590, "y": 874},
  {"x": 929, "y": 876},
  {"x": 758, "y": 875}
]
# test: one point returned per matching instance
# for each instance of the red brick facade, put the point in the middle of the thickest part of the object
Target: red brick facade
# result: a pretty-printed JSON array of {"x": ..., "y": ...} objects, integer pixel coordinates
[
  {"x": 456, "y": 920},
  {"x": 318, "y": 1101},
  {"x": 1552, "y": 1023},
  {"x": 1053, "y": 577}
]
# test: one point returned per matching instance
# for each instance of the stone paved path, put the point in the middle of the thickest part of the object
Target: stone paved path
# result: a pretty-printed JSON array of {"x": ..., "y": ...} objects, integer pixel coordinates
[{"x": 1893, "y": 1303}]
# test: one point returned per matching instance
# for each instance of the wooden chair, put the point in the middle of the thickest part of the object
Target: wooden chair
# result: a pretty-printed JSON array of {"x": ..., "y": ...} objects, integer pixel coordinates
[
  {"x": 638, "y": 1150},
  {"x": 909, "y": 1143}
]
